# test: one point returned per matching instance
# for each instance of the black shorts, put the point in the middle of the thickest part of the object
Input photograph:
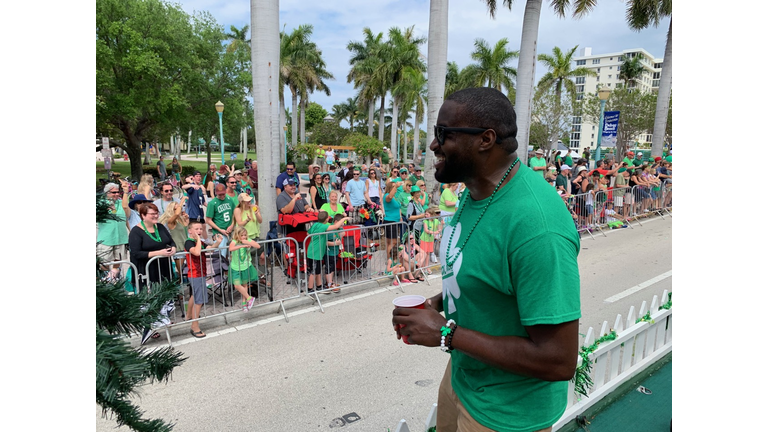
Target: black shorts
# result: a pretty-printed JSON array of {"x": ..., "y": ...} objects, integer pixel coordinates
[
  {"x": 330, "y": 263},
  {"x": 314, "y": 266},
  {"x": 392, "y": 231}
]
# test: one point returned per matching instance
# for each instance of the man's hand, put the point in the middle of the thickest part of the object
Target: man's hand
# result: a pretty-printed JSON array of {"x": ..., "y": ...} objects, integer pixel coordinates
[
  {"x": 422, "y": 326},
  {"x": 229, "y": 229}
]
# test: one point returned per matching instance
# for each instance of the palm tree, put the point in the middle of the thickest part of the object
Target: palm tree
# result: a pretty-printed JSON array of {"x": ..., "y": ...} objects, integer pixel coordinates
[
  {"x": 631, "y": 70},
  {"x": 560, "y": 73},
  {"x": 237, "y": 38},
  {"x": 266, "y": 50},
  {"x": 414, "y": 99},
  {"x": 527, "y": 62},
  {"x": 400, "y": 53},
  {"x": 641, "y": 14},
  {"x": 363, "y": 54},
  {"x": 492, "y": 68}
]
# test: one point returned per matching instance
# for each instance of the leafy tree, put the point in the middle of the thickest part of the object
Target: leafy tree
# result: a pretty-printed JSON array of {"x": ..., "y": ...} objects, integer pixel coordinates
[
  {"x": 315, "y": 113},
  {"x": 308, "y": 150},
  {"x": 636, "y": 113},
  {"x": 120, "y": 369},
  {"x": 151, "y": 59},
  {"x": 364, "y": 145},
  {"x": 327, "y": 133},
  {"x": 552, "y": 114}
]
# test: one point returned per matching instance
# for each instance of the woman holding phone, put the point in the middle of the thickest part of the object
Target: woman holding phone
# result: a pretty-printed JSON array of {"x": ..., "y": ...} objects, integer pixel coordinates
[{"x": 147, "y": 240}]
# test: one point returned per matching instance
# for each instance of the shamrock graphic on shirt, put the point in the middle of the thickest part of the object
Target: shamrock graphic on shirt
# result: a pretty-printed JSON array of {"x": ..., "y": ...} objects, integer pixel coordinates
[{"x": 451, "y": 288}]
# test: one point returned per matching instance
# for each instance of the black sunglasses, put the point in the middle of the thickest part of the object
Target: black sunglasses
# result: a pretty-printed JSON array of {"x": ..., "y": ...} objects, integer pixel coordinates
[{"x": 440, "y": 132}]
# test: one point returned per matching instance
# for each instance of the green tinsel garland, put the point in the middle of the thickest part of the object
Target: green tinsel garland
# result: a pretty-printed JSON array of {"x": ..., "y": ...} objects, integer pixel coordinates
[
  {"x": 668, "y": 304},
  {"x": 582, "y": 381}
]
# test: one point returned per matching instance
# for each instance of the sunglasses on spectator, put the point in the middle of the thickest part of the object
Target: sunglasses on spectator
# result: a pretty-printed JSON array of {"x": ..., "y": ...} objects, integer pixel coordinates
[
  {"x": 231, "y": 182},
  {"x": 167, "y": 190},
  {"x": 357, "y": 174},
  {"x": 440, "y": 132}
]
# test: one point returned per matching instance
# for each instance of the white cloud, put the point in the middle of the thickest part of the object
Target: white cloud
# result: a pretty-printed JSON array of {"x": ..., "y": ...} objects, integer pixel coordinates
[{"x": 337, "y": 22}]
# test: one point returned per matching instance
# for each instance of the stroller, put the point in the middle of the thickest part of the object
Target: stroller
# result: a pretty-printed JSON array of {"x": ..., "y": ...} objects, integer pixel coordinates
[
  {"x": 217, "y": 268},
  {"x": 355, "y": 254}
]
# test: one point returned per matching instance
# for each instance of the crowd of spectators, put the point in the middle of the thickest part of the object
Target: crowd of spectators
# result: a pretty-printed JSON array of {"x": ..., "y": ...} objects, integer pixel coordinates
[{"x": 612, "y": 192}]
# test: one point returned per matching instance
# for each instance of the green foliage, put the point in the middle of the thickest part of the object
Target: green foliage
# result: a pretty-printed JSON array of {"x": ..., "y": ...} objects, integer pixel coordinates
[
  {"x": 327, "y": 133},
  {"x": 158, "y": 71},
  {"x": 364, "y": 145},
  {"x": 120, "y": 369},
  {"x": 637, "y": 113},
  {"x": 309, "y": 150},
  {"x": 314, "y": 115}
]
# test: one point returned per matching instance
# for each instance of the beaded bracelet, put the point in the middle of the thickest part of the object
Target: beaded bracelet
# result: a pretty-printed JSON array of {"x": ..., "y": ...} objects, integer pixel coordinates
[
  {"x": 446, "y": 330},
  {"x": 449, "y": 343}
]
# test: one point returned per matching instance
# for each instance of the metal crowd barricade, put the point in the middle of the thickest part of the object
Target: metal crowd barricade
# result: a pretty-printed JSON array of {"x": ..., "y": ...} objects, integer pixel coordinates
[
  {"x": 361, "y": 257},
  {"x": 645, "y": 201},
  {"x": 274, "y": 284},
  {"x": 134, "y": 288},
  {"x": 606, "y": 215},
  {"x": 582, "y": 206},
  {"x": 424, "y": 255}
]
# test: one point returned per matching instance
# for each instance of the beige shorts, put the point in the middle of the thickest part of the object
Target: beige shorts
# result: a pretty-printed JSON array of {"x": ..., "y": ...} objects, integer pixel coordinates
[
  {"x": 452, "y": 416},
  {"x": 111, "y": 253}
]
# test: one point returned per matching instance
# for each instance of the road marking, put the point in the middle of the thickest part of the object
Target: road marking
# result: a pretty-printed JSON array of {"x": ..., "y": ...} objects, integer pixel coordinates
[{"x": 638, "y": 287}]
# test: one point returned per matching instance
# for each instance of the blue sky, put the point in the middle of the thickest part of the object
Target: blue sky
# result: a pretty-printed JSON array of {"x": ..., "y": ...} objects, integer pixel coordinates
[{"x": 338, "y": 22}]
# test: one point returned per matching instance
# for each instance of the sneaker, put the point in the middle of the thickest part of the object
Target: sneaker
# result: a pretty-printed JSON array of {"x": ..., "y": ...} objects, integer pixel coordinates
[
  {"x": 245, "y": 306},
  {"x": 336, "y": 290},
  {"x": 250, "y": 303},
  {"x": 311, "y": 291},
  {"x": 148, "y": 333}
]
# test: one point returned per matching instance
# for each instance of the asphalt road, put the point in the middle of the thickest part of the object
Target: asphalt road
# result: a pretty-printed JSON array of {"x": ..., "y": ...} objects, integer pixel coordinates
[{"x": 309, "y": 373}]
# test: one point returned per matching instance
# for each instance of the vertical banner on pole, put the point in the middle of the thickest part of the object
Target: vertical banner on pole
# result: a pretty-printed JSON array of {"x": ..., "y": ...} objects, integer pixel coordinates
[{"x": 610, "y": 127}]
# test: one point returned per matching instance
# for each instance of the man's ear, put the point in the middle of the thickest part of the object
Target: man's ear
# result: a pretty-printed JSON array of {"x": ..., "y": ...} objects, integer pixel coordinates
[{"x": 488, "y": 140}]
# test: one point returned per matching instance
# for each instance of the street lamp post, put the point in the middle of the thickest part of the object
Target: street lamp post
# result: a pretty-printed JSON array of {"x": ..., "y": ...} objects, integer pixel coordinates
[
  {"x": 397, "y": 146},
  {"x": 285, "y": 144},
  {"x": 220, "y": 110},
  {"x": 603, "y": 93}
]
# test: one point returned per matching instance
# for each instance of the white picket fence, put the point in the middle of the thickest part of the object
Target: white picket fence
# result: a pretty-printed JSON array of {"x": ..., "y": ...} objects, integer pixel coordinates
[{"x": 637, "y": 346}]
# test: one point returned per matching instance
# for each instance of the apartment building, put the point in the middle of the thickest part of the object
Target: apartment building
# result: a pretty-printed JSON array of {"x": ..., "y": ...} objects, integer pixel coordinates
[{"x": 608, "y": 67}]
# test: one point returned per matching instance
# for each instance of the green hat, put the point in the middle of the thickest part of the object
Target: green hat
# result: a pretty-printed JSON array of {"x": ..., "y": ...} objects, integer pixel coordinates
[
  {"x": 621, "y": 170},
  {"x": 402, "y": 170},
  {"x": 415, "y": 188}
]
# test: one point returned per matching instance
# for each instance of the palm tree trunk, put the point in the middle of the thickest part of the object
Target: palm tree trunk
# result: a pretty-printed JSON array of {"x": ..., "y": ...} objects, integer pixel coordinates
[
  {"x": 371, "y": 111},
  {"x": 381, "y": 120},
  {"x": 393, "y": 135},
  {"x": 437, "y": 63},
  {"x": 265, "y": 52},
  {"x": 662, "y": 99},
  {"x": 525, "y": 75},
  {"x": 405, "y": 144}
]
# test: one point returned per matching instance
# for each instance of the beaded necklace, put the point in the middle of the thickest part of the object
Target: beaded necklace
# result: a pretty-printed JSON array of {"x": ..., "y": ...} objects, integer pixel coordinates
[
  {"x": 154, "y": 236},
  {"x": 451, "y": 260}
]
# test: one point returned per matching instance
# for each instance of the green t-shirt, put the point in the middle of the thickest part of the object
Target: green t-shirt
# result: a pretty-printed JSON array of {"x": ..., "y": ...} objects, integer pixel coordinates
[
  {"x": 333, "y": 250},
  {"x": 447, "y": 195},
  {"x": 113, "y": 232},
  {"x": 538, "y": 162},
  {"x": 569, "y": 160},
  {"x": 327, "y": 208},
  {"x": 518, "y": 269},
  {"x": 432, "y": 225},
  {"x": 221, "y": 212},
  {"x": 318, "y": 245},
  {"x": 403, "y": 198},
  {"x": 415, "y": 179}
]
